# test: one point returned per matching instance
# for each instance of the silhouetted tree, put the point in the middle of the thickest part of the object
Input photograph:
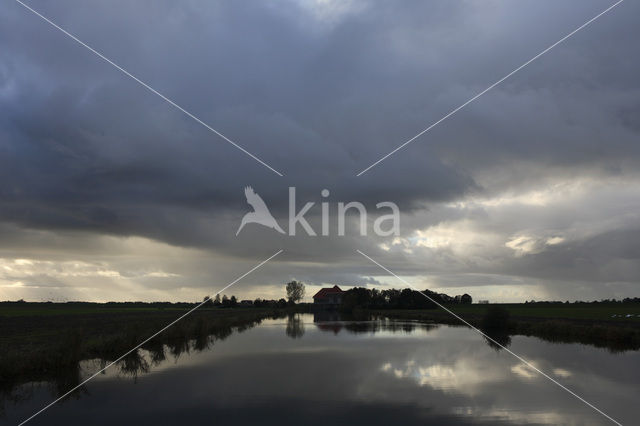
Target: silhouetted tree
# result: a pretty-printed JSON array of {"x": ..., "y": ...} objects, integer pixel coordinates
[
  {"x": 295, "y": 291},
  {"x": 495, "y": 324},
  {"x": 407, "y": 298}
]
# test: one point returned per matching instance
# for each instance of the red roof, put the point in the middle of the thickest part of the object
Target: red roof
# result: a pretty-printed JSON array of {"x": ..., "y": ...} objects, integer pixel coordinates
[{"x": 325, "y": 292}]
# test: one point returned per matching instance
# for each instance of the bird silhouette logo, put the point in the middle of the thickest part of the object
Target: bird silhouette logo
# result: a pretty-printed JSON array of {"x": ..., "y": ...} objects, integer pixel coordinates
[{"x": 260, "y": 214}]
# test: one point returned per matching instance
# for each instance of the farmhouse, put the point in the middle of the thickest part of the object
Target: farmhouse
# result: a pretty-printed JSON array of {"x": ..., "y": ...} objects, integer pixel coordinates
[{"x": 328, "y": 296}]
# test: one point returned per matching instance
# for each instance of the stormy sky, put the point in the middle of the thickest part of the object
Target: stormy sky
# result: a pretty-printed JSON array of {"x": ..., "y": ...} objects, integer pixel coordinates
[{"x": 107, "y": 192}]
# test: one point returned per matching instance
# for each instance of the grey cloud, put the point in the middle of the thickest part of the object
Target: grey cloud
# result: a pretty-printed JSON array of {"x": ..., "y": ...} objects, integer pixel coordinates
[{"x": 86, "y": 151}]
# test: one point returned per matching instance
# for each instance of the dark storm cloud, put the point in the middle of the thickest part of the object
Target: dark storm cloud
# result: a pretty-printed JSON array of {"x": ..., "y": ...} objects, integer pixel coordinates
[
  {"x": 95, "y": 151},
  {"x": 317, "y": 92}
]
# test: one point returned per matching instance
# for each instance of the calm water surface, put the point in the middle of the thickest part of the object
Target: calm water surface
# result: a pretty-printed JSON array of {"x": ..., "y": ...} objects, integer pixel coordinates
[{"x": 297, "y": 371}]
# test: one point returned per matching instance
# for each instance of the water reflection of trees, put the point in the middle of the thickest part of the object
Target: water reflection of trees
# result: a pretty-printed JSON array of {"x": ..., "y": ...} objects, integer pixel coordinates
[
  {"x": 295, "y": 326},
  {"x": 333, "y": 322},
  {"x": 495, "y": 325},
  {"x": 497, "y": 340},
  {"x": 195, "y": 335},
  {"x": 56, "y": 382}
]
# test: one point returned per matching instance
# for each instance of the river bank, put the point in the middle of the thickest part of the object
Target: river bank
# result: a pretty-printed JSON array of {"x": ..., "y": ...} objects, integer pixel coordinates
[
  {"x": 590, "y": 325},
  {"x": 46, "y": 342}
]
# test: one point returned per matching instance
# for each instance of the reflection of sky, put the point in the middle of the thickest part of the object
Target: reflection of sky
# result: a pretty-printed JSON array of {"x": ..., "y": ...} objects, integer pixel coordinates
[{"x": 451, "y": 377}]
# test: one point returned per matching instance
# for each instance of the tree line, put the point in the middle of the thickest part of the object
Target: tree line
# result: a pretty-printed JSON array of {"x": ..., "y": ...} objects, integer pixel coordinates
[
  {"x": 407, "y": 298},
  {"x": 232, "y": 302}
]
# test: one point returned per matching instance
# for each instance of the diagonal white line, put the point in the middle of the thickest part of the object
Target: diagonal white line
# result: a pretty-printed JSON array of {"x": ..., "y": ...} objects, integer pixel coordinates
[
  {"x": 151, "y": 89},
  {"x": 489, "y": 88},
  {"x": 206, "y": 299},
  {"x": 530, "y": 365}
]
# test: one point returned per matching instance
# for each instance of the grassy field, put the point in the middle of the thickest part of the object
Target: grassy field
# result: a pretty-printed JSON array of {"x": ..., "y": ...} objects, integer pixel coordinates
[
  {"x": 590, "y": 312},
  {"x": 36, "y": 326},
  {"x": 591, "y": 324},
  {"x": 594, "y": 312},
  {"x": 602, "y": 313},
  {"x": 49, "y": 309}
]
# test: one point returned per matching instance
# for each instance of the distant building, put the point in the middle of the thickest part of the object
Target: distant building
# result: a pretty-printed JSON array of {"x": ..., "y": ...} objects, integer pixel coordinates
[
  {"x": 246, "y": 303},
  {"x": 483, "y": 302},
  {"x": 328, "y": 296}
]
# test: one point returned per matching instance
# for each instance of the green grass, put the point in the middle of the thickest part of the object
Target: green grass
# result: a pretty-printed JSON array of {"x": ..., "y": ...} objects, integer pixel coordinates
[
  {"x": 589, "y": 324},
  {"x": 46, "y": 309},
  {"x": 601, "y": 313},
  {"x": 595, "y": 312}
]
